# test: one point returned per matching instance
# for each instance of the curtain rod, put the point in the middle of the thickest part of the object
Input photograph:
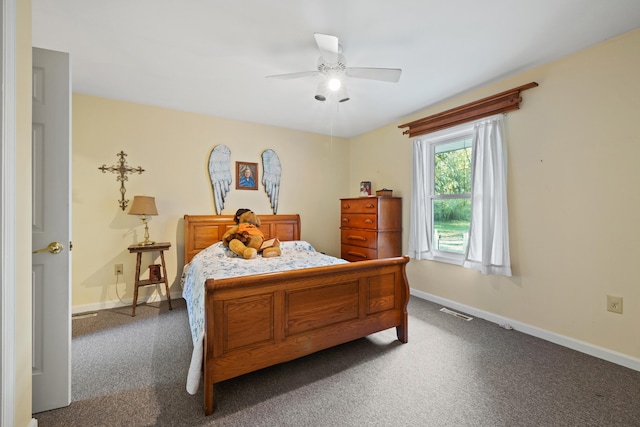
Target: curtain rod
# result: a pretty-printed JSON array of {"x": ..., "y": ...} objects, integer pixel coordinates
[{"x": 499, "y": 103}]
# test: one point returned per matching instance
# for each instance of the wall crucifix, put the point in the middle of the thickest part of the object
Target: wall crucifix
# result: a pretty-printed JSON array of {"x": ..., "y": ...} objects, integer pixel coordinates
[{"x": 122, "y": 170}]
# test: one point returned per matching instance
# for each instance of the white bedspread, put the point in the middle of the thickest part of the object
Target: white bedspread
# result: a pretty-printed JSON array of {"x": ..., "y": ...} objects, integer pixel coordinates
[{"x": 217, "y": 262}]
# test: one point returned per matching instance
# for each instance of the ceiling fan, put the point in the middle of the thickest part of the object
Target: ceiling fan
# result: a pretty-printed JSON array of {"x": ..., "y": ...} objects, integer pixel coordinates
[{"x": 332, "y": 66}]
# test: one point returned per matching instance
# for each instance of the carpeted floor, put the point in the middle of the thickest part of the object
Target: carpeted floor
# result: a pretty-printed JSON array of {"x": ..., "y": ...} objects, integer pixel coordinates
[{"x": 132, "y": 372}]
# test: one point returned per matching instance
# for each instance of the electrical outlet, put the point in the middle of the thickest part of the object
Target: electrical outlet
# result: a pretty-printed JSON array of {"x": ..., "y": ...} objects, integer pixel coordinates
[
  {"x": 614, "y": 304},
  {"x": 117, "y": 269}
]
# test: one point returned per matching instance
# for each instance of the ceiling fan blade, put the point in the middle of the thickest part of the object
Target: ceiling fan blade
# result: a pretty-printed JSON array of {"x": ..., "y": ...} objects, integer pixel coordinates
[
  {"x": 328, "y": 46},
  {"x": 383, "y": 74},
  {"x": 294, "y": 75}
]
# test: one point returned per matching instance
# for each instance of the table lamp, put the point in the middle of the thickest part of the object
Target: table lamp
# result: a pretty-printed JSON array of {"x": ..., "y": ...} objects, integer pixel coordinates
[{"x": 144, "y": 205}]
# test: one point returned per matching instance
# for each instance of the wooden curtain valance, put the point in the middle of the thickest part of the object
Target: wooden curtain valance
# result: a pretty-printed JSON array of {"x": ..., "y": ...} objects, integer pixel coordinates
[{"x": 499, "y": 103}]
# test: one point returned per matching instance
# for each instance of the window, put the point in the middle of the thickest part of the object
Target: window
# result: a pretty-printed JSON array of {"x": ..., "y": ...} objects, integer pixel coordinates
[
  {"x": 449, "y": 192},
  {"x": 451, "y": 195}
]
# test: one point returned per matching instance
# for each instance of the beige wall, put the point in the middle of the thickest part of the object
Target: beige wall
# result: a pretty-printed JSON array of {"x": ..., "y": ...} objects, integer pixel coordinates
[
  {"x": 173, "y": 148},
  {"x": 573, "y": 199},
  {"x": 23, "y": 216}
]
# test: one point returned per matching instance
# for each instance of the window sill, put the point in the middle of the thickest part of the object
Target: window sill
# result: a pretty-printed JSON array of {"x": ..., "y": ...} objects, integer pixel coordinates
[{"x": 448, "y": 258}]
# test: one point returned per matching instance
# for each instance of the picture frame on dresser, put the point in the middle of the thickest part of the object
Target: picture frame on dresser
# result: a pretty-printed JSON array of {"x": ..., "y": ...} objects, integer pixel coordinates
[{"x": 365, "y": 188}]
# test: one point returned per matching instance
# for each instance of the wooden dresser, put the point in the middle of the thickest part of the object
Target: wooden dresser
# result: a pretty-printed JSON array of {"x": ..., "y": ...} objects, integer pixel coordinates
[{"x": 371, "y": 228}]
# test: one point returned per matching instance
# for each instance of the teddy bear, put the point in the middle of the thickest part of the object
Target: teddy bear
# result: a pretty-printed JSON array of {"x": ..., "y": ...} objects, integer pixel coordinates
[{"x": 246, "y": 239}]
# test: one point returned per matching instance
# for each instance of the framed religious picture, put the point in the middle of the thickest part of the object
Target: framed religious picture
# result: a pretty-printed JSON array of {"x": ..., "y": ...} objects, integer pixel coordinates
[
  {"x": 246, "y": 176},
  {"x": 365, "y": 188}
]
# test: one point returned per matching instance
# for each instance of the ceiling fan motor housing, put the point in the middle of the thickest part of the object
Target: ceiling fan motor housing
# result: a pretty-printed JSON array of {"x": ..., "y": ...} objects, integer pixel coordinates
[{"x": 335, "y": 69}]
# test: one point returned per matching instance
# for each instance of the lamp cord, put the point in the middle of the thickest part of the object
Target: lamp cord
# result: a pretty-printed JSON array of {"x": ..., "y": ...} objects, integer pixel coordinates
[{"x": 117, "y": 293}]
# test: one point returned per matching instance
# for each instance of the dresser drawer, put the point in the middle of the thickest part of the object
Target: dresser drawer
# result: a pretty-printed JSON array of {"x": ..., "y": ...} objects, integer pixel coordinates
[
  {"x": 359, "y": 237},
  {"x": 362, "y": 205},
  {"x": 368, "y": 221},
  {"x": 356, "y": 253}
]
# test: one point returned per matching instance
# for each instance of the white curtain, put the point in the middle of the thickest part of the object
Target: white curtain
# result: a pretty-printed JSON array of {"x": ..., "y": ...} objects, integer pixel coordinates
[
  {"x": 419, "y": 233},
  {"x": 488, "y": 249}
]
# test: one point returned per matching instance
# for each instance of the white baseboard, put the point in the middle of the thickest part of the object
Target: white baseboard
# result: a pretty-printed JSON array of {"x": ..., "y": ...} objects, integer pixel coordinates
[
  {"x": 33, "y": 423},
  {"x": 583, "y": 347},
  {"x": 77, "y": 309}
]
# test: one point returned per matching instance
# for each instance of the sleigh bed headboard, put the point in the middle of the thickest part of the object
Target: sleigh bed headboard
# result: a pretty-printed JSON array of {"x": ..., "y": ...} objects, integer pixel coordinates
[{"x": 201, "y": 231}]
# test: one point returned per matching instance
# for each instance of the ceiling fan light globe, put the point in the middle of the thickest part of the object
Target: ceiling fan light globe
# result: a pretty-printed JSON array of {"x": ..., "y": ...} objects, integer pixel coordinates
[
  {"x": 343, "y": 96},
  {"x": 322, "y": 92},
  {"x": 334, "y": 84}
]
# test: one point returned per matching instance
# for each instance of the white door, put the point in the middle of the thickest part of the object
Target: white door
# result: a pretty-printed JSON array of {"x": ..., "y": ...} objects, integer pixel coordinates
[{"x": 51, "y": 224}]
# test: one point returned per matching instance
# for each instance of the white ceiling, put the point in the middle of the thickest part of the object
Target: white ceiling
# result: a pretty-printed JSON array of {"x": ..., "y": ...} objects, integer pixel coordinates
[{"x": 212, "y": 56}]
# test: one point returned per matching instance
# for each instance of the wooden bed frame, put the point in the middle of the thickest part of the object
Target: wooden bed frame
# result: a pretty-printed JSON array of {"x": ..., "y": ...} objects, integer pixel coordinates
[{"x": 253, "y": 322}]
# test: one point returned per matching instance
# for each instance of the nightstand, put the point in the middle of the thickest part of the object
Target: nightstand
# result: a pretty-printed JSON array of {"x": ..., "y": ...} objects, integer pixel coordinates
[{"x": 153, "y": 278}]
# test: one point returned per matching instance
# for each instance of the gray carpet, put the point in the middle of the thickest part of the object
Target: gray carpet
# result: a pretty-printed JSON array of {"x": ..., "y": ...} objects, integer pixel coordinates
[{"x": 132, "y": 372}]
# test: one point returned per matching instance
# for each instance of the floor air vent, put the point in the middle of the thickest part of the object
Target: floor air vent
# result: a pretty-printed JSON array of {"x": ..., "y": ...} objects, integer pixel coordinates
[{"x": 456, "y": 314}]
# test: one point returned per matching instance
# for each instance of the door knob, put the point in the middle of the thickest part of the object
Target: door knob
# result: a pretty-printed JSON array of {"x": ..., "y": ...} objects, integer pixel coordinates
[{"x": 54, "y": 248}]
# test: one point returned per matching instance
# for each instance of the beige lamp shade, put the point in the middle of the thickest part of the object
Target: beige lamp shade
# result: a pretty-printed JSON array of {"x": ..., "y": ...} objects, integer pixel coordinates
[{"x": 143, "y": 205}]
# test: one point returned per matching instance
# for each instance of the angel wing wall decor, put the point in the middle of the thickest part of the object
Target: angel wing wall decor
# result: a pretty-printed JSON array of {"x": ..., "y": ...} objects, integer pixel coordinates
[
  {"x": 271, "y": 171},
  {"x": 220, "y": 174}
]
